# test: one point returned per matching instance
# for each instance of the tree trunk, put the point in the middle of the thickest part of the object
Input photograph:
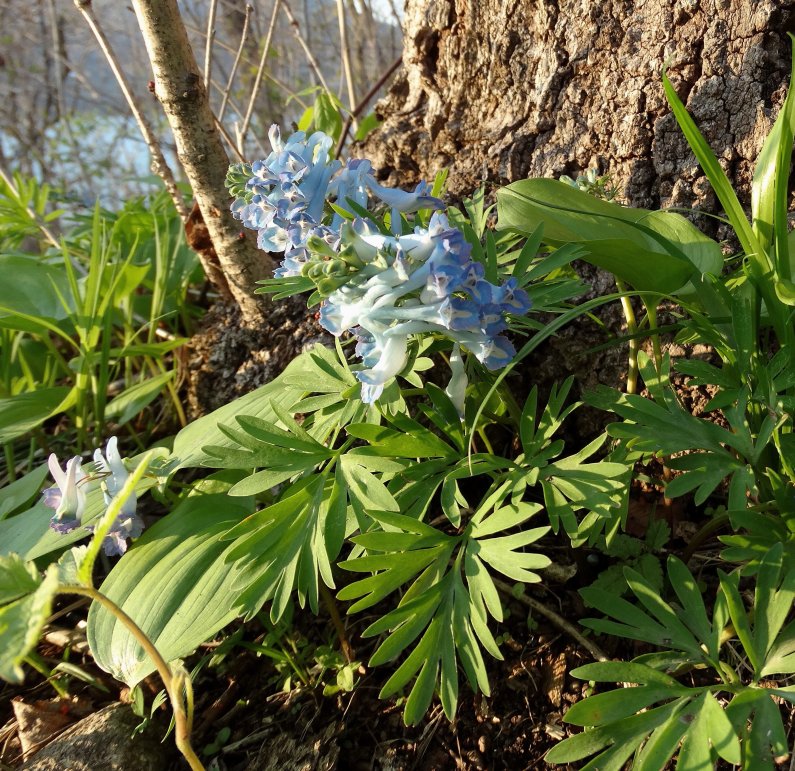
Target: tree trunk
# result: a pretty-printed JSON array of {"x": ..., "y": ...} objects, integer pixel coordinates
[
  {"x": 181, "y": 91},
  {"x": 500, "y": 90}
]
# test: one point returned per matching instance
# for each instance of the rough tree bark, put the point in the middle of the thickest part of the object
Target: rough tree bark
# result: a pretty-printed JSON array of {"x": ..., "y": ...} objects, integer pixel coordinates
[
  {"x": 179, "y": 87},
  {"x": 501, "y": 90}
]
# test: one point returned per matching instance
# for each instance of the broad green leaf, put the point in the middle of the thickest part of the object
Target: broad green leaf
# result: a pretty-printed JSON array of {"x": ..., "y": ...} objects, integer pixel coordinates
[
  {"x": 327, "y": 116},
  {"x": 21, "y": 623},
  {"x": 175, "y": 583},
  {"x": 17, "y": 578},
  {"x": 22, "y": 413},
  {"x": 32, "y": 290},
  {"x": 189, "y": 442},
  {"x": 652, "y": 251},
  {"x": 22, "y": 491}
]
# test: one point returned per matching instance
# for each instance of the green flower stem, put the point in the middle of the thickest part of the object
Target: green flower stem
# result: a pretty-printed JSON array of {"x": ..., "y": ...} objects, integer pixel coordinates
[
  {"x": 715, "y": 524},
  {"x": 632, "y": 328},
  {"x": 180, "y": 692},
  {"x": 336, "y": 619},
  {"x": 485, "y": 440},
  {"x": 556, "y": 619},
  {"x": 8, "y": 451},
  {"x": 514, "y": 409}
]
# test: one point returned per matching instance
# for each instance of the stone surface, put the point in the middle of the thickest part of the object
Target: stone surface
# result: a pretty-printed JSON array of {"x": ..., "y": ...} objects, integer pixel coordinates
[{"x": 104, "y": 742}]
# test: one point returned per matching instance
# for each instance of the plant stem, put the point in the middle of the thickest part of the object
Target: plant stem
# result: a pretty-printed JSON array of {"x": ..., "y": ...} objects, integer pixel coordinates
[
  {"x": 336, "y": 619},
  {"x": 179, "y": 691},
  {"x": 715, "y": 524},
  {"x": 651, "y": 313},
  {"x": 632, "y": 327},
  {"x": 241, "y": 134},
  {"x": 8, "y": 451},
  {"x": 556, "y": 619},
  {"x": 37, "y": 663}
]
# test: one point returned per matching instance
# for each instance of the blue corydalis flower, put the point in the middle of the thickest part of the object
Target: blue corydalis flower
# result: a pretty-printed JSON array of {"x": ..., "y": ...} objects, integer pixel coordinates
[
  {"x": 381, "y": 287},
  {"x": 284, "y": 196},
  {"x": 419, "y": 283}
]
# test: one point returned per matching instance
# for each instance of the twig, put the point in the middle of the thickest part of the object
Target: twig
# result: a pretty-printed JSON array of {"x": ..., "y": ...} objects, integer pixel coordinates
[
  {"x": 59, "y": 96},
  {"x": 230, "y": 255},
  {"x": 208, "y": 46},
  {"x": 556, "y": 619},
  {"x": 241, "y": 134},
  {"x": 159, "y": 164},
  {"x": 235, "y": 64},
  {"x": 229, "y": 140},
  {"x": 310, "y": 57},
  {"x": 364, "y": 102},
  {"x": 346, "y": 57}
]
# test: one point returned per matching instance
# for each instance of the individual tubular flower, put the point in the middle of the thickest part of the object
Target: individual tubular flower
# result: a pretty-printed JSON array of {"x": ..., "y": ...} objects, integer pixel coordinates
[
  {"x": 127, "y": 524},
  {"x": 68, "y": 497}
]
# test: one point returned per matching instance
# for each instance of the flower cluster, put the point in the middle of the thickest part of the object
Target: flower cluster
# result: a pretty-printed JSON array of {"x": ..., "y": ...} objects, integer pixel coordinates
[
  {"x": 382, "y": 288},
  {"x": 424, "y": 282},
  {"x": 68, "y": 497},
  {"x": 283, "y": 197}
]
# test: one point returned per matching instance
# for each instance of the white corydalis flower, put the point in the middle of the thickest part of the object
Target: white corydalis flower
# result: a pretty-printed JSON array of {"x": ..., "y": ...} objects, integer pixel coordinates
[
  {"x": 68, "y": 497},
  {"x": 128, "y": 524}
]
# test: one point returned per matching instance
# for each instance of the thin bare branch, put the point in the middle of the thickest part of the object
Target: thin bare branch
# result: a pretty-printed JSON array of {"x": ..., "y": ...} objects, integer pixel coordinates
[
  {"x": 208, "y": 47},
  {"x": 241, "y": 134},
  {"x": 346, "y": 59},
  {"x": 180, "y": 90},
  {"x": 555, "y": 618},
  {"x": 159, "y": 163},
  {"x": 246, "y": 60},
  {"x": 365, "y": 101},
  {"x": 63, "y": 116},
  {"x": 310, "y": 57},
  {"x": 235, "y": 64}
]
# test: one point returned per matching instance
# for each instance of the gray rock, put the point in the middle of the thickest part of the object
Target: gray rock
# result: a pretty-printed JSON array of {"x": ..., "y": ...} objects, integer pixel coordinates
[{"x": 104, "y": 741}]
